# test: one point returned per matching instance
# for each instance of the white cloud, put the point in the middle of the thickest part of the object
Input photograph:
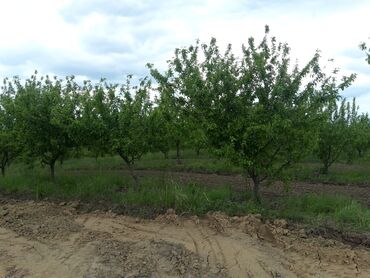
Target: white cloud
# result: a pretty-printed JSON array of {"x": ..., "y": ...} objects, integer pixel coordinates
[{"x": 111, "y": 38}]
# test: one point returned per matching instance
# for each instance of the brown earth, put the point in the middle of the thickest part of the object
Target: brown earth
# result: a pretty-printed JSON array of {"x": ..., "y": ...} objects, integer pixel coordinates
[{"x": 42, "y": 239}]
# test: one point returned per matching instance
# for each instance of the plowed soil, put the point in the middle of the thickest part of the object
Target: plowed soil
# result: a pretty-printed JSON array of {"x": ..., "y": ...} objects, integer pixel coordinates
[{"x": 42, "y": 239}]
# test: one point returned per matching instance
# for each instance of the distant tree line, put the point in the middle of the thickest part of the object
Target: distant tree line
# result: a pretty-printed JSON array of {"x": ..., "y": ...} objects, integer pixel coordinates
[{"x": 260, "y": 111}]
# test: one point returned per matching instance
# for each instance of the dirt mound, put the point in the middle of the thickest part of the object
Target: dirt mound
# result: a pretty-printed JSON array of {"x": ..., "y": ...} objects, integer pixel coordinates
[
  {"x": 43, "y": 221},
  {"x": 52, "y": 240},
  {"x": 146, "y": 259}
]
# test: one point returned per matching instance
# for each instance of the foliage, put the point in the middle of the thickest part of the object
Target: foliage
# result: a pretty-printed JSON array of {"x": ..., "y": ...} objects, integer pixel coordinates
[
  {"x": 335, "y": 132},
  {"x": 96, "y": 122},
  {"x": 161, "y": 136},
  {"x": 45, "y": 110},
  {"x": 366, "y": 49},
  {"x": 9, "y": 148},
  {"x": 254, "y": 111},
  {"x": 118, "y": 118},
  {"x": 171, "y": 105},
  {"x": 197, "y": 137},
  {"x": 131, "y": 138},
  {"x": 359, "y": 133}
]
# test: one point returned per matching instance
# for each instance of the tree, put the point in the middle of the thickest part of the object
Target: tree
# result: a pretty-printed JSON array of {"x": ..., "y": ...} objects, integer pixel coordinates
[
  {"x": 361, "y": 142},
  {"x": 120, "y": 118},
  {"x": 352, "y": 118},
  {"x": 160, "y": 132},
  {"x": 254, "y": 111},
  {"x": 131, "y": 138},
  {"x": 335, "y": 132},
  {"x": 96, "y": 122},
  {"x": 46, "y": 111},
  {"x": 197, "y": 138},
  {"x": 170, "y": 104},
  {"x": 358, "y": 132},
  {"x": 9, "y": 147}
]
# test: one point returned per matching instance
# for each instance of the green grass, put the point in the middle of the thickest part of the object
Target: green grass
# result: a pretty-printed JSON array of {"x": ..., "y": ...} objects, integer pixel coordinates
[
  {"x": 186, "y": 198},
  {"x": 158, "y": 193},
  {"x": 339, "y": 173},
  {"x": 326, "y": 210}
]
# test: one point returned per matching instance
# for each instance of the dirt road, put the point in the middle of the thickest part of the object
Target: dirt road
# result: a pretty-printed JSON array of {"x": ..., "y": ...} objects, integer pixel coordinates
[{"x": 41, "y": 239}]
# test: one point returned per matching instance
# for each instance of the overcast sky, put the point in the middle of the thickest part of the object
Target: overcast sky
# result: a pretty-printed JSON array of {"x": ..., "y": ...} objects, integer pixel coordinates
[{"x": 96, "y": 38}]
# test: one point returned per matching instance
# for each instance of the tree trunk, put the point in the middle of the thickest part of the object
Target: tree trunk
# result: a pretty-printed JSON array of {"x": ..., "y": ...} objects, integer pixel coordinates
[
  {"x": 133, "y": 174},
  {"x": 3, "y": 171},
  {"x": 178, "y": 152},
  {"x": 325, "y": 169},
  {"x": 198, "y": 151},
  {"x": 256, "y": 190},
  {"x": 165, "y": 154},
  {"x": 130, "y": 167},
  {"x": 52, "y": 171}
]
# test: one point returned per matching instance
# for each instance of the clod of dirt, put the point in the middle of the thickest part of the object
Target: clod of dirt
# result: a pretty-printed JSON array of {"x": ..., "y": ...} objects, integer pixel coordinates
[
  {"x": 302, "y": 233},
  {"x": 280, "y": 223},
  {"x": 75, "y": 204},
  {"x": 253, "y": 225},
  {"x": 4, "y": 212},
  {"x": 195, "y": 219},
  {"x": 218, "y": 221},
  {"x": 169, "y": 217},
  {"x": 265, "y": 232},
  {"x": 250, "y": 224}
]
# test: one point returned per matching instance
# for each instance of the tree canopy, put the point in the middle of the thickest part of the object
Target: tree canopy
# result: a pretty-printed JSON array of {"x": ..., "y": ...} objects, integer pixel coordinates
[{"x": 258, "y": 111}]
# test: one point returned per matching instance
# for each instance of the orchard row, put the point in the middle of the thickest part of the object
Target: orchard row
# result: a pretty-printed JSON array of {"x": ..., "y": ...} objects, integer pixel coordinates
[{"x": 259, "y": 111}]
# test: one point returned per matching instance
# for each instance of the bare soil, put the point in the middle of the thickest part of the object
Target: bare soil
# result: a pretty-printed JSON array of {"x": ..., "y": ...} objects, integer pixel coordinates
[{"x": 43, "y": 239}]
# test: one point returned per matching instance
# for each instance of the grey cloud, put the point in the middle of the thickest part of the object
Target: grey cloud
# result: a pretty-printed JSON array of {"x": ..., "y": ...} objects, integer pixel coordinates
[
  {"x": 279, "y": 7},
  {"x": 355, "y": 53},
  {"x": 104, "y": 45},
  {"x": 359, "y": 66},
  {"x": 113, "y": 67},
  {"x": 119, "y": 36},
  {"x": 135, "y": 32},
  {"x": 78, "y": 9},
  {"x": 20, "y": 55},
  {"x": 140, "y": 9},
  {"x": 356, "y": 91}
]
